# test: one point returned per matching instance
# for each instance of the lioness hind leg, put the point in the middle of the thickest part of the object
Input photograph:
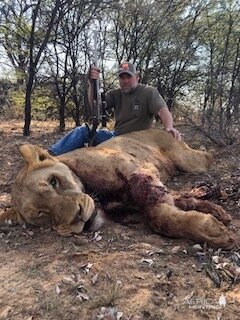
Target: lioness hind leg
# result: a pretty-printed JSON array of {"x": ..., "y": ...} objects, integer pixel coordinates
[
  {"x": 173, "y": 222},
  {"x": 165, "y": 218},
  {"x": 190, "y": 203}
]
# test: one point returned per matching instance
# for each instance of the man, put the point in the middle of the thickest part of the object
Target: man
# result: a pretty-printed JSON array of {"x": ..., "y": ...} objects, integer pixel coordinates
[{"x": 134, "y": 104}]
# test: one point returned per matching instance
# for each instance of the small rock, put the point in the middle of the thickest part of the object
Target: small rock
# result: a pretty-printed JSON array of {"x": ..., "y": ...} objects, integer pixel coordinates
[
  {"x": 197, "y": 247},
  {"x": 201, "y": 257},
  {"x": 176, "y": 249},
  {"x": 169, "y": 273}
]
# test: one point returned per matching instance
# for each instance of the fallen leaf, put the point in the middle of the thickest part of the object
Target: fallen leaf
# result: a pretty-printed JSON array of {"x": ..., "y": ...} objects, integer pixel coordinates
[
  {"x": 30, "y": 233},
  {"x": 82, "y": 296},
  {"x": 158, "y": 251},
  {"x": 223, "y": 194},
  {"x": 222, "y": 301},
  {"x": 58, "y": 290},
  {"x": 189, "y": 296},
  {"x": 86, "y": 267},
  {"x": 149, "y": 261},
  {"x": 219, "y": 315},
  {"x": 68, "y": 280},
  {"x": 119, "y": 315},
  {"x": 95, "y": 278},
  {"x": 139, "y": 277}
]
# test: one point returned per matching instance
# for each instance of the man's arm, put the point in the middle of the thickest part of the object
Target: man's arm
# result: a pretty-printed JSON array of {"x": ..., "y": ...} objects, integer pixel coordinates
[{"x": 167, "y": 120}]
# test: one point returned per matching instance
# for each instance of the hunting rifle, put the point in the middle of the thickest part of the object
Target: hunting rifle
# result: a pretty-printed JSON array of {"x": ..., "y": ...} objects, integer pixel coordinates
[{"x": 99, "y": 101}]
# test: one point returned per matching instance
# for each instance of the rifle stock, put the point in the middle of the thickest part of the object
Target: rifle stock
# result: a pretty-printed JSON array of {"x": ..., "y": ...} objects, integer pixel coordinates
[
  {"x": 95, "y": 111},
  {"x": 104, "y": 110}
]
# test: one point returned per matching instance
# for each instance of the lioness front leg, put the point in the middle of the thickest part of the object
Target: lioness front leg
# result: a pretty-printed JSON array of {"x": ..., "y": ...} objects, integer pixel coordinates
[{"x": 165, "y": 218}]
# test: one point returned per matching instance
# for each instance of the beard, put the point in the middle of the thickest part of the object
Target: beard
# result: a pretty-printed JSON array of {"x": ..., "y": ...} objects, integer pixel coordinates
[{"x": 128, "y": 89}]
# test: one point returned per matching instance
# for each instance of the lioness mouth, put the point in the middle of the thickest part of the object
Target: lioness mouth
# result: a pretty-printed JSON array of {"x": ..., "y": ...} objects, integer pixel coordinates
[
  {"x": 77, "y": 217},
  {"x": 96, "y": 214},
  {"x": 96, "y": 220}
]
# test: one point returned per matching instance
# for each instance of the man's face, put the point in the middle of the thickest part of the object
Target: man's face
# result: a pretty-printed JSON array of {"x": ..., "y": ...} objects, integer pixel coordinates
[{"x": 127, "y": 82}]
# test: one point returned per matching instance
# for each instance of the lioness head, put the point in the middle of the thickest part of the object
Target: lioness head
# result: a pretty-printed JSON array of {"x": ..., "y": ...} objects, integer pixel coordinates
[{"x": 47, "y": 192}]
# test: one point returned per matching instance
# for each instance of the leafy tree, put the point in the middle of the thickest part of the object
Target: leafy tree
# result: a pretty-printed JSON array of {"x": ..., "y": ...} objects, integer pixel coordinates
[
  {"x": 53, "y": 14},
  {"x": 221, "y": 40},
  {"x": 67, "y": 60},
  {"x": 144, "y": 32},
  {"x": 189, "y": 50},
  {"x": 14, "y": 34}
]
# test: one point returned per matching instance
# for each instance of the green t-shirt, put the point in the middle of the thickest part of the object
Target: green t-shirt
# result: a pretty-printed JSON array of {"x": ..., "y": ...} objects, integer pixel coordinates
[{"x": 134, "y": 111}]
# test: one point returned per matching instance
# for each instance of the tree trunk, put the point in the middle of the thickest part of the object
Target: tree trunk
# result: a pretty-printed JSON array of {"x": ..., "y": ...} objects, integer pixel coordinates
[
  {"x": 62, "y": 114},
  {"x": 27, "y": 123}
]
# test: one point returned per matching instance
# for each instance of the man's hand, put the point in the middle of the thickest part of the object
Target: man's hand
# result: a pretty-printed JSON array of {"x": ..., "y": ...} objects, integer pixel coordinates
[
  {"x": 93, "y": 73},
  {"x": 175, "y": 133},
  {"x": 167, "y": 120}
]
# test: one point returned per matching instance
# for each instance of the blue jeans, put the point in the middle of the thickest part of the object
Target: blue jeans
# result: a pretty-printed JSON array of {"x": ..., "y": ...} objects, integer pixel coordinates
[{"x": 78, "y": 137}]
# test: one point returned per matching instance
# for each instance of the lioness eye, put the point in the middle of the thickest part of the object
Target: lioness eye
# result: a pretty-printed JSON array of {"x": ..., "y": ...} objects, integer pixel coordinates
[{"x": 53, "y": 182}]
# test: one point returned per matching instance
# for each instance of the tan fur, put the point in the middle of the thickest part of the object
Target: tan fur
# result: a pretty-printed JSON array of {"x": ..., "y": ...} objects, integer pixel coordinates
[{"x": 128, "y": 169}]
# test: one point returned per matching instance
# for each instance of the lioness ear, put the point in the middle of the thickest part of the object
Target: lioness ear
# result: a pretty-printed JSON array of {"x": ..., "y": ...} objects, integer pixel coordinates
[{"x": 34, "y": 154}]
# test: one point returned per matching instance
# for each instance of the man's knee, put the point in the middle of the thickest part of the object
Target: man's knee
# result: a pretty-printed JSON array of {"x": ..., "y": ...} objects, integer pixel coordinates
[{"x": 81, "y": 131}]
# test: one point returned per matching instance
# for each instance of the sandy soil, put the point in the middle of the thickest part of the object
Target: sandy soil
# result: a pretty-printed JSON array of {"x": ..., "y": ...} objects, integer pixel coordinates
[{"x": 124, "y": 271}]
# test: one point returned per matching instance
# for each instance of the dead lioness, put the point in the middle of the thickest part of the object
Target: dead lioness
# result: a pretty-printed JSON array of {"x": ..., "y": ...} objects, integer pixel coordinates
[{"x": 128, "y": 169}]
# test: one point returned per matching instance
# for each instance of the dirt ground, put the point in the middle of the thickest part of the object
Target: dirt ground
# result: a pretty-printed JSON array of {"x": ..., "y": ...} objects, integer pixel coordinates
[{"x": 124, "y": 271}]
